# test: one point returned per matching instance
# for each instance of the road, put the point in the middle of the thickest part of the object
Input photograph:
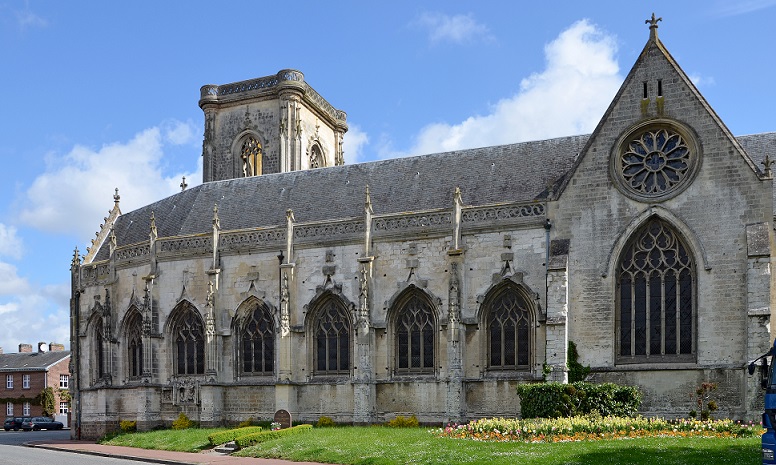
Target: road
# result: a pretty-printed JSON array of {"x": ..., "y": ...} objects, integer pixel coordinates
[{"x": 12, "y": 451}]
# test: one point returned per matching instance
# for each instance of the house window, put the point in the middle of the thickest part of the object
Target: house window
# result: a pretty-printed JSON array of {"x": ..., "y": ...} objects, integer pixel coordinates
[
  {"x": 64, "y": 381},
  {"x": 188, "y": 342},
  {"x": 25, "y": 381},
  {"x": 26, "y": 409},
  {"x": 332, "y": 337},
  {"x": 9, "y": 408},
  {"x": 135, "y": 344},
  {"x": 64, "y": 407},
  {"x": 656, "y": 301},
  {"x": 415, "y": 342},
  {"x": 508, "y": 320},
  {"x": 9, "y": 381},
  {"x": 257, "y": 341}
]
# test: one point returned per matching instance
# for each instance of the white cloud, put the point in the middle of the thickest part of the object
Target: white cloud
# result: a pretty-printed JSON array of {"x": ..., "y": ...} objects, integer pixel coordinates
[
  {"x": 76, "y": 191},
  {"x": 568, "y": 97},
  {"x": 26, "y": 18},
  {"x": 702, "y": 81},
  {"x": 10, "y": 243},
  {"x": 456, "y": 29},
  {"x": 741, "y": 7},
  {"x": 10, "y": 282},
  {"x": 353, "y": 143},
  {"x": 179, "y": 133}
]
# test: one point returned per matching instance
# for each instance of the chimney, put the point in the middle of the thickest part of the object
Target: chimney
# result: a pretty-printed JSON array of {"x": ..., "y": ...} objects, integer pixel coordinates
[
  {"x": 54, "y": 347},
  {"x": 25, "y": 348}
]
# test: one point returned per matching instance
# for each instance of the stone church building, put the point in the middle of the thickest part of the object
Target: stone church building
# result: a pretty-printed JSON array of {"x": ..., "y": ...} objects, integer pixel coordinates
[{"x": 431, "y": 285}]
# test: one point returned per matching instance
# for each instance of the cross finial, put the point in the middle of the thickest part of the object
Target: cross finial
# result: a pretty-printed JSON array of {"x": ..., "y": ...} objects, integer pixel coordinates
[
  {"x": 768, "y": 163},
  {"x": 116, "y": 197},
  {"x": 183, "y": 184},
  {"x": 653, "y": 25}
]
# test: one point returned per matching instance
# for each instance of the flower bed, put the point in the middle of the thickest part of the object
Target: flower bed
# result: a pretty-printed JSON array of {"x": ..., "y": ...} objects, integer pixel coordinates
[{"x": 591, "y": 428}]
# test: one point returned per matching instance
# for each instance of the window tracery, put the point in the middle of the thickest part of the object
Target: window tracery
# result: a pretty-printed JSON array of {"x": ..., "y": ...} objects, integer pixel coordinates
[
  {"x": 332, "y": 338},
  {"x": 189, "y": 342},
  {"x": 415, "y": 336},
  {"x": 508, "y": 322},
  {"x": 257, "y": 342},
  {"x": 134, "y": 336},
  {"x": 316, "y": 157},
  {"x": 251, "y": 155},
  {"x": 656, "y": 301}
]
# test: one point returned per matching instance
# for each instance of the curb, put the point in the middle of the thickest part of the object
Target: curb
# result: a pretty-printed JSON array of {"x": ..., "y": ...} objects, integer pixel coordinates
[{"x": 103, "y": 454}]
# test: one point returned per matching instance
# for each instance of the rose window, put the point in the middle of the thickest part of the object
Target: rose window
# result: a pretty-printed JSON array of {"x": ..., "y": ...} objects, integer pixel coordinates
[{"x": 655, "y": 162}]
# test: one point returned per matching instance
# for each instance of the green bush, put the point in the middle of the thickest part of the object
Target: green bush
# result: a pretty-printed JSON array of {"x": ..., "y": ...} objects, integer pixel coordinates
[
  {"x": 404, "y": 422},
  {"x": 256, "y": 438},
  {"x": 553, "y": 400},
  {"x": 128, "y": 426},
  {"x": 222, "y": 437},
  {"x": 577, "y": 371},
  {"x": 324, "y": 422},
  {"x": 182, "y": 422}
]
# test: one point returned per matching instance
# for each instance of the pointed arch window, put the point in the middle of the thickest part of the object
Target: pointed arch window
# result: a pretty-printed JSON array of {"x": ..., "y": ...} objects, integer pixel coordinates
[
  {"x": 656, "y": 297},
  {"x": 99, "y": 349},
  {"x": 257, "y": 342},
  {"x": 332, "y": 331},
  {"x": 316, "y": 156},
  {"x": 188, "y": 342},
  {"x": 135, "y": 345},
  {"x": 508, "y": 321},
  {"x": 415, "y": 335},
  {"x": 251, "y": 154}
]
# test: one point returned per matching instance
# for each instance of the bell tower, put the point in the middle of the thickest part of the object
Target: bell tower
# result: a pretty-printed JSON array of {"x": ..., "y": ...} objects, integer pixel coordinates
[{"x": 273, "y": 124}]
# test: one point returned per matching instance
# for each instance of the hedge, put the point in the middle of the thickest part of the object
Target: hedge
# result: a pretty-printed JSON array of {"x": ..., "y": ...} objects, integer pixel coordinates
[
  {"x": 222, "y": 437},
  {"x": 553, "y": 400},
  {"x": 256, "y": 438}
]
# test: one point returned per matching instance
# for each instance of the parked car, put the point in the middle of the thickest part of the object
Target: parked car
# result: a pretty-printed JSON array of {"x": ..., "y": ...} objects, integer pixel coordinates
[
  {"x": 13, "y": 423},
  {"x": 38, "y": 423}
]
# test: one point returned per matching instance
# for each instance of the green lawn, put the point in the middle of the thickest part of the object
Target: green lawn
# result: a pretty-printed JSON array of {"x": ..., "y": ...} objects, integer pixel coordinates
[{"x": 381, "y": 445}]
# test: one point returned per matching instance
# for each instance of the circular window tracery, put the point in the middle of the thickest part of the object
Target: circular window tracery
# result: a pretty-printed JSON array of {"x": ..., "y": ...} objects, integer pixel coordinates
[{"x": 656, "y": 161}]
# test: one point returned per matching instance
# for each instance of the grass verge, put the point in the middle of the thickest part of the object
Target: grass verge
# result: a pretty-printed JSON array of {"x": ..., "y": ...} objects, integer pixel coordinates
[
  {"x": 379, "y": 445},
  {"x": 181, "y": 440}
]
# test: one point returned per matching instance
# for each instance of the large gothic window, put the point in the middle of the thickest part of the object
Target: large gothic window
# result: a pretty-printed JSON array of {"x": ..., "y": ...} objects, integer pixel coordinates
[
  {"x": 316, "y": 157},
  {"x": 250, "y": 154},
  {"x": 508, "y": 322},
  {"x": 656, "y": 301},
  {"x": 188, "y": 337},
  {"x": 134, "y": 334},
  {"x": 332, "y": 337},
  {"x": 257, "y": 341},
  {"x": 415, "y": 330}
]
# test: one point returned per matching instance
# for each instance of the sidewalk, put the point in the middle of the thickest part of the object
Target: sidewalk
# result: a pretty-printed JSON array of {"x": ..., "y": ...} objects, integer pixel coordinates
[{"x": 156, "y": 456}]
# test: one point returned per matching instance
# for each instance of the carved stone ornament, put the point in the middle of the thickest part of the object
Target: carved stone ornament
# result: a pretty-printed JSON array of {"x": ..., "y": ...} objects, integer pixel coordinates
[
  {"x": 363, "y": 297},
  {"x": 285, "y": 317},
  {"x": 655, "y": 161},
  {"x": 185, "y": 391}
]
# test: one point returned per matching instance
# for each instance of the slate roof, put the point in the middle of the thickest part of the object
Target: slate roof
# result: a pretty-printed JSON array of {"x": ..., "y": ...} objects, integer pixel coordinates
[
  {"x": 31, "y": 361},
  {"x": 504, "y": 173}
]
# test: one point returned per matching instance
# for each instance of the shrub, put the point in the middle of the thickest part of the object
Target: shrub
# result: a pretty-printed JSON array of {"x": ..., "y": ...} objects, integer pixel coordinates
[
  {"x": 182, "y": 422},
  {"x": 256, "y": 438},
  {"x": 404, "y": 422},
  {"x": 553, "y": 400},
  {"x": 128, "y": 426},
  {"x": 222, "y": 437},
  {"x": 703, "y": 401},
  {"x": 246, "y": 423},
  {"x": 577, "y": 372},
  {"x": 324, "y": 422}
]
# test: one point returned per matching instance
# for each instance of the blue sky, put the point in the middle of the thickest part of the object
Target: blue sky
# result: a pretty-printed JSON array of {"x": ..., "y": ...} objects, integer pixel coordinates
[{"x": 99, "y": 95}]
